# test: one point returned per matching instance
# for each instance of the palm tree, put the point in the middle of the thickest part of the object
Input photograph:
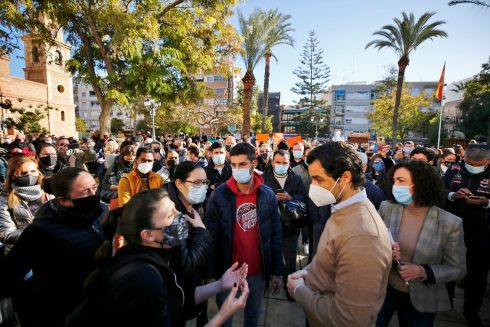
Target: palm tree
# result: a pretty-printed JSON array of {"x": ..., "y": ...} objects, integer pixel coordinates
[
  {"x": 253, "y": 50},
  {"x": 483, "y": 3},
  {"x": 278, "y": 27},
  {"x": 403, "y": 38}
]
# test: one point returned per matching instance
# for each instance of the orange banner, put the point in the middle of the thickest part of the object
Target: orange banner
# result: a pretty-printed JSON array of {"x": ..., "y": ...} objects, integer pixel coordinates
[
  {"x": 262, "y": 137},
  {"x": 294, "y": 140}
]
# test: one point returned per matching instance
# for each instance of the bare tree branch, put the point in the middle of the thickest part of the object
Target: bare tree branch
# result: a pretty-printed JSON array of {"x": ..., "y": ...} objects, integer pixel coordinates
[{"x": 168, "y": 8}]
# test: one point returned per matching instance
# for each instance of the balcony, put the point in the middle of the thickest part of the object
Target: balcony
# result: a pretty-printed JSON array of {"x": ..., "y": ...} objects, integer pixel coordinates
[{"x": 339, "y": 112}]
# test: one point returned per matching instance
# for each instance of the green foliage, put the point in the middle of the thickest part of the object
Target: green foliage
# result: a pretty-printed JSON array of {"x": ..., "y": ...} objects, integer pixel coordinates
[
  {"x": 482, "y": 3},
  {"x": 320, "y": 123},
  {"x": 142, "y": 125},
  {"x": 117, "y": 125},
  {"x": 127, "y": 49},
  {"x": 411, "y": 119},
  {"x": 28, "y": 120},
  {"x": 80, "y": 125},
  {"x": 476, "y": 104},
  {"x": 256, "y": 119},
  {"x": 313, "y": 74},
  {"x": 434, "y": 131}
]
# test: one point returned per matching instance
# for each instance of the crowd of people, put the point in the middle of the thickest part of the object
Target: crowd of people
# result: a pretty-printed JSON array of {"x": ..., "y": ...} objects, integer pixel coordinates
[{"x": 142, "y": 232}]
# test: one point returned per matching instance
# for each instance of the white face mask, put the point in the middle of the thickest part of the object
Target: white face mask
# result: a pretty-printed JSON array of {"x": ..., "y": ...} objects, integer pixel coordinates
[
  {"x": 145, "y": 167},
  {"x": 197, "y": 194},
  {"x": 321, "y": 196}
]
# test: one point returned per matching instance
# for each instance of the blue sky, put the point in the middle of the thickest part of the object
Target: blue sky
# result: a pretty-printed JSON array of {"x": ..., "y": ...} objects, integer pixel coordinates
[{"x": 344, "y": 27}]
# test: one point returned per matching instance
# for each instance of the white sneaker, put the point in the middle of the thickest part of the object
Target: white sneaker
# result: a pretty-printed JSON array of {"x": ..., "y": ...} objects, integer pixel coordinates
[{"x": 306, "y": 248}]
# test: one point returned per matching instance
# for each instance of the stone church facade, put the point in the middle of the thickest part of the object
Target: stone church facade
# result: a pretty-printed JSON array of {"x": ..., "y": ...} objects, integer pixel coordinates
[{"x": 46, "y": 84}]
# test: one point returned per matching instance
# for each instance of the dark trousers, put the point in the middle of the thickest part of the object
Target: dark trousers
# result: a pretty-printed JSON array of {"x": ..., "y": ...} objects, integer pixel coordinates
[
  {"x": 408, "y": 316},
  {"x": 289, "y": 251},
  {"x": 477, "y": 265}
]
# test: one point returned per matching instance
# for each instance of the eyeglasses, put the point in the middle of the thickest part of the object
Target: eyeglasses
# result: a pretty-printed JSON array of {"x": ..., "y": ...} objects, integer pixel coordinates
[
  {"x": 173, "y": 158},
  {"x": 478, "y": 146},
  {"x": 199, "y": 182}
]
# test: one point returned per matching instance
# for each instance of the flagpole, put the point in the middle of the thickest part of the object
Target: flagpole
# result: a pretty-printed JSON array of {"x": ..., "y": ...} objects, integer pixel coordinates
[{"x": 441, "y": 110}]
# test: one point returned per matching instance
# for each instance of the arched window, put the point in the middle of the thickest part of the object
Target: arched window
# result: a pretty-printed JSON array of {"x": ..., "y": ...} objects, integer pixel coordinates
[
  {"x": 58, "y": 58},
  {"x": 35, "y": 54},
  {"x": 62, "y": 116}
]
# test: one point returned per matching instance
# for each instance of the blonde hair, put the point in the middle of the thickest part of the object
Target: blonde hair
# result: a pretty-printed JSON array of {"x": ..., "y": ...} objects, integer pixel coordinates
[
  {"x": 14, "y": 165},
  {"x": 111, "y": 146}
]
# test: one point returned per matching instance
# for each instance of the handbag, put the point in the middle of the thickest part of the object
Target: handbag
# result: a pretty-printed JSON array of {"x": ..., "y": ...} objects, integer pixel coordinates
[{"x": 293, "y": 214}]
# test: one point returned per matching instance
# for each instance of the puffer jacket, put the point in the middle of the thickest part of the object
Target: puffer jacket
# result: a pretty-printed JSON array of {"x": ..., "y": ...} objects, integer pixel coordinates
[
  {"x": 13, "y": 221},
  {"x": 130, "y": 184},
  {"x": 59, "y": 248},
  {"x": 220, "y": 221}
]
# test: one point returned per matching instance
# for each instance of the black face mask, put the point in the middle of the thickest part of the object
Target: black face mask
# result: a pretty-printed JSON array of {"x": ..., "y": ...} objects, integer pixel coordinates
[
  {"x": 49, "y": 160},
  {"x": 157, "y": 150},
  {"x": 18, "y": 143},
  {"x": 128, "y": 162},
  {"x": 26, "y": 180},
  {"x": 85, "y": 205},
  {"x": 171, "y": 163}
]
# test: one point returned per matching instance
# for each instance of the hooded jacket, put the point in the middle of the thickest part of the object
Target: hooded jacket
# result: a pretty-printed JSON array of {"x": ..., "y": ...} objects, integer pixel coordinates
[
  {"x": 130, "y": 184},
  {"x": 220, "y": 220},
  {"x": 59, "y": 248}
]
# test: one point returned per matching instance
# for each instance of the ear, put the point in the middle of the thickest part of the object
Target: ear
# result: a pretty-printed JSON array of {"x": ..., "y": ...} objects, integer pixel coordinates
[
  {"x": 65, "y": 202},
  {"x": 346, "y": 177},
  {"x": 255, "y": 162},
  {"x": 146, "y": 236}
]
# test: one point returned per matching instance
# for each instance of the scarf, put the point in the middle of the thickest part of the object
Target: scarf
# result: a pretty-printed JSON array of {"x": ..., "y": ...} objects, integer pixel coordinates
[{"x": 28, "y": 193}]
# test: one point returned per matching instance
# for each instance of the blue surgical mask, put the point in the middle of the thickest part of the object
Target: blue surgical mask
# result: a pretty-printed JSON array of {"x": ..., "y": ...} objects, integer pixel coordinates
[
  {"x": 219, "y": 159},
  {"x": 379, "y": 166},
  {"x": 402, "y": 194},
  {"x": 242, "y": 175},
  {"x": 197, "y": 194},
  {"x": 281, "y": 169},
  {"x": 298, "y": 154},
  {"x": 474, "y": 170}
]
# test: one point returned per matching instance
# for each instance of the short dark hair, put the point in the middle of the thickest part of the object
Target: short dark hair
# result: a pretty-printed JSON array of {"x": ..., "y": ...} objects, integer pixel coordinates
[
  {"x": 428, "y": 189},
  {"x": 337, "y": 158},
  {"x": 281, "y": 152},
  {"x": 243, "y": 148},
  {"x": 44, "y": 145},
  {"x": 216, "y": 145},
  {"x": 193, "y": 150},
  {"x": 428, "y": 153},
  {"x": 283, "y": 145},
  {"x": 184, "y": 169},
  {"x": 144, "y": 150}
]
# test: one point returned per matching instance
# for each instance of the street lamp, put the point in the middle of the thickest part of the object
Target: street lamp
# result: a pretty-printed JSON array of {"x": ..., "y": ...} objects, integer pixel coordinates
[
  {"x": 316, "y": 126},
  {"x": 151, "y": 104}
]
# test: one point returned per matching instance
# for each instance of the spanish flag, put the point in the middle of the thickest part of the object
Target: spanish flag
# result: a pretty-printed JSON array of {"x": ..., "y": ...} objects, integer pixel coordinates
[{"x": 440, "y": 85}]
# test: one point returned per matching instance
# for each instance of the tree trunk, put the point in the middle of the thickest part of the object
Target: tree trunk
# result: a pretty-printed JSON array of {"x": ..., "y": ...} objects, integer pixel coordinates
[
  {"x": 105, "y": 117},
  {"x": 402, "y": 65},
  {"x": 265, "y": 102},
  {"x": 248, "y": 84}
]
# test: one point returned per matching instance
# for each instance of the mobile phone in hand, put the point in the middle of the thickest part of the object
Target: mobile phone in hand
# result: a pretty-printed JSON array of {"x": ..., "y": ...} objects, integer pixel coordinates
[{"x": 279, "y": 190}]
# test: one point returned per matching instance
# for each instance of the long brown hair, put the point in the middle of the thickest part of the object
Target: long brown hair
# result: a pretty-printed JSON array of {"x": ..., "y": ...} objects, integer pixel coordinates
[{"x": 13, "y": 169}]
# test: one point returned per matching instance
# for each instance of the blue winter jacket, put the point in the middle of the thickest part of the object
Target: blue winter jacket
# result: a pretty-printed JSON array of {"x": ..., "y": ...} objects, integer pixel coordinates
[{"x": 220, "y": 221}]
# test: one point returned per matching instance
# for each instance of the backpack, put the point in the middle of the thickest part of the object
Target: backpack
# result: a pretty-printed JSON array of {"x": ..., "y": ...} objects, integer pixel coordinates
[{"x": 86, "y": 313}]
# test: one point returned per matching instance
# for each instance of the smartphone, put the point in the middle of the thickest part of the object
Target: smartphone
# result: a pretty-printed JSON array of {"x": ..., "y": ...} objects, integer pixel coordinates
[
  {"x": 280, "y": 190},
  {"x": 74, "y": 146}
]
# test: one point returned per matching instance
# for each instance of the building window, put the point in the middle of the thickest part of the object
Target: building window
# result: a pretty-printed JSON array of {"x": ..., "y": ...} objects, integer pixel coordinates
[
  {"x": 340, "y": 95},
  {"x": 35, "y": 54},
  {"x": 84, "y": 94},
  {"x": 60, "y": 88},
  {"x": 219, "y": 79},
  {"x": 290, "y": 129},
  {"x": 348, "y": 121},
  {"x": 220, "y": 91},
  {"x": 58, "y": 58},
  {"x": 92, "y": 93},
  {"x": 62, "y": 116},
  {"x": 415, "y": 91}
]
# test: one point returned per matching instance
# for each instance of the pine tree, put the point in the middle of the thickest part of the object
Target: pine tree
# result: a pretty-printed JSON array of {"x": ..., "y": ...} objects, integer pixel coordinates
[{"x": 313, "y": 74}]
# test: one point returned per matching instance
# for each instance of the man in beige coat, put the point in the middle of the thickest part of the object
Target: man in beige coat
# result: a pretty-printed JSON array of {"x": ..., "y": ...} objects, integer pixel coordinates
[{"x": 345, "y": 284}]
